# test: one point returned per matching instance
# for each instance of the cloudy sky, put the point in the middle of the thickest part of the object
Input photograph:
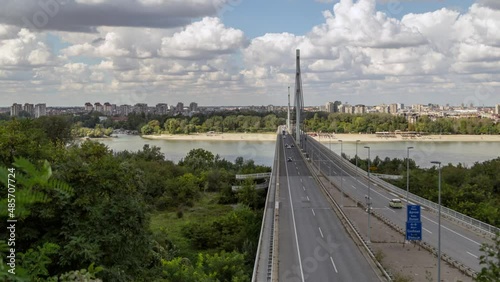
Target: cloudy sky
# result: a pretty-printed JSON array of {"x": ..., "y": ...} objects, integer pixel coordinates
[{"x": 242, "y": 52}]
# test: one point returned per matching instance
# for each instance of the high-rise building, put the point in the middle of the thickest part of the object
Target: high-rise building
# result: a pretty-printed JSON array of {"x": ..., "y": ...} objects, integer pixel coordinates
[
  {"x": 497, "y": 109},
  {"x": 330, "y": 107},
  {"x": 193, "y": 107},
  {"x": 40, "y": 110},
  {"x": 124, "y": 110},
  {"x": 141, "y": 108},
  {"x": 359, "y": 109},
  {"x": 418, "y": 108},
  {"x": 15, "y": 109},
  {"x": 161, "y": 109},
  {"x": 393, "y": 108},
  {"x": 98, "y": 107},
  {"x": 89, "y": 107},
  {"x": 107, "y": 108},
  {"x": 180, "y": 107},
  {"x": 29, "y": 108}
]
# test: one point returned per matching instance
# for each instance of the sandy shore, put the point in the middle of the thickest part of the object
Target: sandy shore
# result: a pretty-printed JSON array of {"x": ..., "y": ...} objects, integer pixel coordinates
[
  {"x": 399, "y": 138},
  {"x": 343, "y": 137}
]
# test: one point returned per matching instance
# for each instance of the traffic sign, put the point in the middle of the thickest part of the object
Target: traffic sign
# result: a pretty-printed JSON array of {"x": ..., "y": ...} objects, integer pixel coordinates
[
  {"x": 413, "y": 213},
  {"x": 413, "y": 231}
]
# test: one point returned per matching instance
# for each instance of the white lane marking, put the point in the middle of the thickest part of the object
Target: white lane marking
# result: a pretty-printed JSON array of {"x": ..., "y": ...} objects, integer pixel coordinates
[
  {"x": 308, "y": 198},
  {"x": 422, "y": 215},
  {"x": 313, "y": 212},
  {"x": 320, "y": 233},
  {"x": 303, "y": 188},
  {"x": 294, "y": 225},
  {"x": 298, "y": 172},
  {"x": 353, "y": 186},
  {"x": 301, "y": 180},
  {"x": 472, "y": 255},
  {"x": 380, "y": 194},
  {"x": 397, "y": 196},
  {"x": 391, "y": 210},
  {"x": 426, "y": 230},
  {"x": 334, "y": 267},
  {"x": 452, "y": 231}
]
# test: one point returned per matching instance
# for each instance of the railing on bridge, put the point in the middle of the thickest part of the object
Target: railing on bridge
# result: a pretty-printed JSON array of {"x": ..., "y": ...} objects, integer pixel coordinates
[
  {"x": 386, "y": 176},
  {"x": 253, "y": 175},
  {"x": 264, "y": 267}
]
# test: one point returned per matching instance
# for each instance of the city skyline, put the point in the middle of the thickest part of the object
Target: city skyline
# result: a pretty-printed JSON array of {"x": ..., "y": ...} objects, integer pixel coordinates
[{"x": 217, "y": 53}]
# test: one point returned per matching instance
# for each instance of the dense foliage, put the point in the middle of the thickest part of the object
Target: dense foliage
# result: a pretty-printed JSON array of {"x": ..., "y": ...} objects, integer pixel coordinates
[
  {"x": 490, "y": 261},
  {"x": 371, "y": 123},
  {"x": 473, "y": 191},
  {"x": 85, "y": 212},
  {"x": 230, "y": 123}
]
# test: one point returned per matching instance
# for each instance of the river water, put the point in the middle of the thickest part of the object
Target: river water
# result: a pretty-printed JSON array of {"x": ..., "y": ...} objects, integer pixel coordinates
[{"x": 262, "y": 152}]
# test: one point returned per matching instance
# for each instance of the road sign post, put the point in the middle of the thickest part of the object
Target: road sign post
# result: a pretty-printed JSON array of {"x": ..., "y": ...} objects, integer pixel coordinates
[
  {"x": 413, "y": 231},
  {"x": 413, "y": 223}
]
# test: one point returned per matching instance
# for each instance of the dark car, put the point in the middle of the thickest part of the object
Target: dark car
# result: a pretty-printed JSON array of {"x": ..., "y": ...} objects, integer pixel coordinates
[{"x": 289, "y": 159}]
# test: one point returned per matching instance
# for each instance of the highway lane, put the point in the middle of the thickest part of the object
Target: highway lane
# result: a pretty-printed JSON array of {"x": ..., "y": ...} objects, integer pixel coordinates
[
  {"x": 309, "y": 229},
  {"x": 456, "y": 241}
]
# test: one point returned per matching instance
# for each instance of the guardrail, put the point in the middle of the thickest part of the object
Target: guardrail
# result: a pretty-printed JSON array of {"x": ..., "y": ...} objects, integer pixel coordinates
[
  {"x": 387, "y": 176},
  {"x": 484, "y": 228},
  {"x": 270, "y": 197},
  {"x": 254, "y": 175}
]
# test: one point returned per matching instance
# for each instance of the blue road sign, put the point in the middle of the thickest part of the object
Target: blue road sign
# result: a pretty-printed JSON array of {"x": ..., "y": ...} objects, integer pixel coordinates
[
  {"x": 413, "y": 231},
  {"x": 413, "y": 213}
]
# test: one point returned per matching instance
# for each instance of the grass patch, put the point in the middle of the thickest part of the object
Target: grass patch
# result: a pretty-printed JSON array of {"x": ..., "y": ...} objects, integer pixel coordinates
[{"x": 169, "y": 224}]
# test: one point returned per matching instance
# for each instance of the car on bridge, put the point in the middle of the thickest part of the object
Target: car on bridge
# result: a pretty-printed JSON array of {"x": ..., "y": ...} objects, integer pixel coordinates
[{"x": 396, "y": 203}]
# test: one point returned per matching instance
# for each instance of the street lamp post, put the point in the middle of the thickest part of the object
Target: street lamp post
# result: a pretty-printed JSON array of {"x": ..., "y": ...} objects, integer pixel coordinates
[
  {"x": 408, "y": 173},
  {"x": 369, "y": 199},
  {"x": 357, "y": 141},
  {"x": 439, "y": 219},
  {"x": 319, "y": 162},
  {"x": 342, "y": 174}
]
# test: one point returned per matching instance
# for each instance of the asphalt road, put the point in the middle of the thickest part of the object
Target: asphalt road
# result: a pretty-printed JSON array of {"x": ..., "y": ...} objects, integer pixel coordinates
[
  {"x": 313, "y": 244},
  {"x": 456, "y": 241}
]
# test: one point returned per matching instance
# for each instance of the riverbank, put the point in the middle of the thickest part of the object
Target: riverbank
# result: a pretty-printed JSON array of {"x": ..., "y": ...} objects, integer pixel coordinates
[
  {"x": 399, "y": 138},
  {"x": 216, "y": 137},
  {"x": 326, "y": 138}
]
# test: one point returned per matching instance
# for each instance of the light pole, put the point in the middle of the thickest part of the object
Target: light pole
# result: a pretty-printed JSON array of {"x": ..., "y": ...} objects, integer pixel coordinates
[
  {"x": 408, "y": 174},
  {"x": 341, "y": 175},
  {"x": 357, "y": 141},
  {"x": 439, "y": 220},
  {"x": 369, "y": 199}
]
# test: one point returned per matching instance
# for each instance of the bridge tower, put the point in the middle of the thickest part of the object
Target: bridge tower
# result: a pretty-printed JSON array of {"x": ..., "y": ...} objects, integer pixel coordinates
[
  {"x": 288, "y": 115},
  {"x": 299, "y": 101}
]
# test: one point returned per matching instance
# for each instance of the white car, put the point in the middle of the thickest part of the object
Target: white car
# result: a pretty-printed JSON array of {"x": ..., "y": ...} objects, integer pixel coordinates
[{"x": 396, "y": 204}]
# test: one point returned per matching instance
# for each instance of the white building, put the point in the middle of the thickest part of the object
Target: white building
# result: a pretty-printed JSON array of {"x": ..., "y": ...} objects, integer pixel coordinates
[{"x": 40, "y": 110}]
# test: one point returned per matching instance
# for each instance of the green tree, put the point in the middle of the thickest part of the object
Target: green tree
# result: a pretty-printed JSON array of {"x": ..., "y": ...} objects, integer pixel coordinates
[
  {"x": 490, "y": 260},
  {"x": 247, "y": 194}
]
